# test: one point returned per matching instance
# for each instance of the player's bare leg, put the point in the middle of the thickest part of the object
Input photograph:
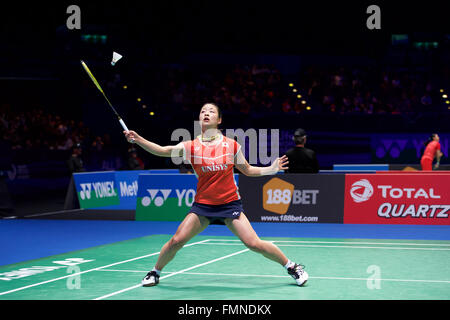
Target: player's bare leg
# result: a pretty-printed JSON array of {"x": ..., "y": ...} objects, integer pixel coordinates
[
  {"x": 190, "y": 227},
  {"x": 242, "y": 228}
]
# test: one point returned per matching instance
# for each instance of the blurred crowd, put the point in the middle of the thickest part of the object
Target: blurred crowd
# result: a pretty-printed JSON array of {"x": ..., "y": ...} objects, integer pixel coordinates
[
  {"x": 36, "y": 132},
  {"x": 369, "y": 89},
  {"x": 257, "y": 88},
  {"x": 38, "y": 129},
  {"x": 241, "y": 88},
  {"x": 247, "y": 89}
]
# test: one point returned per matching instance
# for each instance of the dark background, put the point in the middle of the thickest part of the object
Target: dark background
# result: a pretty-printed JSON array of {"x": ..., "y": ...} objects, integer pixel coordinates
[{"x": 170, "y": 44}]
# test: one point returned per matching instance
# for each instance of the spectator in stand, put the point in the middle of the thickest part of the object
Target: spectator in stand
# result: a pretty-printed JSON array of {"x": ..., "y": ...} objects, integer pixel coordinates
[
  {"x": 75, "y": 163},
  {"x": 301, "y": 159},
  {"x": 134, "y": 162}
]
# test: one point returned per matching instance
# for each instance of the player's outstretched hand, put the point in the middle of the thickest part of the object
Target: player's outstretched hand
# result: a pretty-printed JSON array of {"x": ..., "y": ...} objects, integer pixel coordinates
[
  {"x": 281, "y": 163},
  {"x": 131, "y": 136}
]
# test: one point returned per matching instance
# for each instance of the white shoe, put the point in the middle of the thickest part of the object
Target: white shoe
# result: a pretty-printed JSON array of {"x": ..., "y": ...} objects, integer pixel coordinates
[
  {"x": 151, "y": 279},
  {"x": 298, "y": 273}
]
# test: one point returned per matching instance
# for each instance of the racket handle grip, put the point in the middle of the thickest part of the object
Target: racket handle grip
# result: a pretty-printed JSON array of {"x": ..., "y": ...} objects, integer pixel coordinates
[{"x": 124, "y": 126}]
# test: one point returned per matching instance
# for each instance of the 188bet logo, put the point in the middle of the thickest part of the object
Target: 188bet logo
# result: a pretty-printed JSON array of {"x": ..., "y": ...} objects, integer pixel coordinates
[{"x": 277, "y": 195}]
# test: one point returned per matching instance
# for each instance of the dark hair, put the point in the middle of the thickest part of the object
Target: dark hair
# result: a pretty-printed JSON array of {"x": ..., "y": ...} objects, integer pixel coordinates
[
  {"x": 299, "y": 140},
  {"x": 430, "y": 138},
  {"x": 299, "y": 136}
]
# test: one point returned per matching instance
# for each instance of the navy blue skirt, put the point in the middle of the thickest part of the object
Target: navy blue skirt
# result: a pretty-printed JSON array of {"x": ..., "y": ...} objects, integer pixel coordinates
[{"x": 216, "y": 214}]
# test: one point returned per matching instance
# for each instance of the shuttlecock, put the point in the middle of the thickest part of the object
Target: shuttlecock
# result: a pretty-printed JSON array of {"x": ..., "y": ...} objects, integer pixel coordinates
[{"x": 116, "y": 57}]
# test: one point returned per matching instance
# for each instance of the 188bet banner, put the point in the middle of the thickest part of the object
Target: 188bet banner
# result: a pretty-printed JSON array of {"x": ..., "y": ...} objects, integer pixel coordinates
[
  {"x": 293, "y": 198},
  {"x": 165, "y": 197}
]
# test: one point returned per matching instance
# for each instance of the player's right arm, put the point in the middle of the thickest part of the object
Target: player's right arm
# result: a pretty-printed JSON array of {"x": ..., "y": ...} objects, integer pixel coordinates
[
  {"x": 439, "y": 154},
  {"x": 153, "y": 148}
]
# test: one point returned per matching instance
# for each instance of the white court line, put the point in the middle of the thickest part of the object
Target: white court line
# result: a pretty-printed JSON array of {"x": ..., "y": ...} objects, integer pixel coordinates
[
  {"x": 344, "y": 242},
  {"x": 173, "y": 274},
  {"x": 90, "y": 270},
  {"x": 275, "y": 276},
  {"x": 317, "y": 246}
]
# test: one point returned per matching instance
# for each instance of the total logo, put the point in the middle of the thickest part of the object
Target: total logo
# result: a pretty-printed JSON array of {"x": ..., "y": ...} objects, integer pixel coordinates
[
  {"x": 361, "y": 191},
  {"x": 104, "y": 189},
  {"x": 393, "y": 201},
  {"x": 159, "y": 196}
]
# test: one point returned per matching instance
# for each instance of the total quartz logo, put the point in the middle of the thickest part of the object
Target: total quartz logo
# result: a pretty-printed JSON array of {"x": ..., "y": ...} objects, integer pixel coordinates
[
  {"x": 361, "y": 190},
  {"x": 406, "y": 198}
]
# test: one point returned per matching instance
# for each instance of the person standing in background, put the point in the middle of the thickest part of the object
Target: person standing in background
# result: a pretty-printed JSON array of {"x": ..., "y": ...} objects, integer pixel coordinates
[
  {"x": 432, "y": 150},
  {"x": 134, "y": 162},
  {"x": 75, "y": 163},
  {"x": 301, "y": 159}
]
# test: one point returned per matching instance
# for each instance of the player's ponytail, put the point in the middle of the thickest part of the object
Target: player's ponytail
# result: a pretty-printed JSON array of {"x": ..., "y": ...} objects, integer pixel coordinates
[{"x": 430, "y": 138}]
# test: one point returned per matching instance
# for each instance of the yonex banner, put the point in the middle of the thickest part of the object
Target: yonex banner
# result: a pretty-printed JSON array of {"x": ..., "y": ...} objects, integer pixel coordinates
[
  {"x": 165, "y": 197},
  {"x": 397, "y": 198},
  {"x": 307, "y": 198},
  {"x": 113, "y": 190},
  {"x": 96, "y": 189}
]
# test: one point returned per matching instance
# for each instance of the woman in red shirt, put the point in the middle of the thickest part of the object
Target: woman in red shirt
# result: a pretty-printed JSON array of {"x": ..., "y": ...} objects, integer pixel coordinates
[
  {"x": 432, "y": 149},
  {"x": 217, "y": 200}
]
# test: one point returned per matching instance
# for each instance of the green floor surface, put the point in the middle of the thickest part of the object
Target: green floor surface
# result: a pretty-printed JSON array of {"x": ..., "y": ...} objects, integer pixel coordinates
[{"x": 222, "y": 268}]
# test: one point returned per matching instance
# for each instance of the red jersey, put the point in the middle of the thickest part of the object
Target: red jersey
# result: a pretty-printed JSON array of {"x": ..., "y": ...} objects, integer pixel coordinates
[
  {"x": 430, "y": 150},
  {"x": 213, "y": 165}
]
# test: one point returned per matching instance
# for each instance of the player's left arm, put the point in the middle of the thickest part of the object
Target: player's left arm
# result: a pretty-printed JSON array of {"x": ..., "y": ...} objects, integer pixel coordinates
[
  {"x": 438, "y": 154},
  {"x": 245, "y": 168}
]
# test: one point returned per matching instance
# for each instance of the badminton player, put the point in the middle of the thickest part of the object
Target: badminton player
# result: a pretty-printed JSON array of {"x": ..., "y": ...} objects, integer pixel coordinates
[
  {"x": 217, "y": 201},
  {"x": 432, "y": 150}
]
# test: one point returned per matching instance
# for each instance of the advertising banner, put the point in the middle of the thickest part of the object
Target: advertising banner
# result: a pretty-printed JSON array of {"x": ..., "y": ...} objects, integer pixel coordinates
[
  {"x": 127, "y": 182},
  {"x": 114, "y": 190},
  {"x": 96, "y": 189},
  {"x": 165, "y": 197},
  {"x": 397, "y": 199},
  {"x": 293, "y": 198},
  {"x": 403, "y": 148}
]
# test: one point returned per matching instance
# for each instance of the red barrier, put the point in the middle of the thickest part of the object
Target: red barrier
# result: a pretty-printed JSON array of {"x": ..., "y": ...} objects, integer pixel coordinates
[
  {"x": 387, "y": 198},
  {"x": 413, "y": 172}
]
